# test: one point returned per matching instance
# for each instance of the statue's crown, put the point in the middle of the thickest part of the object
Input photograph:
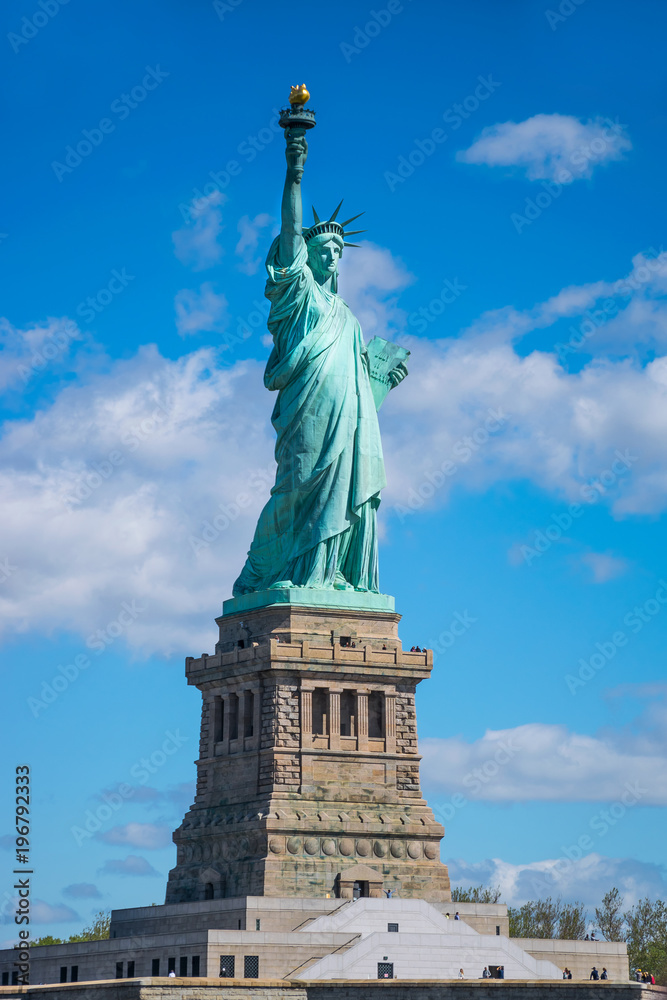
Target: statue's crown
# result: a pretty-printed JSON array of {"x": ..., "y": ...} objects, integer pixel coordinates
[{"x": 320, "y": 228}]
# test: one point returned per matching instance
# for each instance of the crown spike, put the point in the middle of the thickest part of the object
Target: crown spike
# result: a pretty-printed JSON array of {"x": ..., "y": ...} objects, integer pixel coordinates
[
  {"x": 315, "y": 216},
  {"x": 347, "y": 221},
  {"x": 350, "y": 244},
  {"x": 336, "y": 211},
  {"x": 355, "y": 232}
]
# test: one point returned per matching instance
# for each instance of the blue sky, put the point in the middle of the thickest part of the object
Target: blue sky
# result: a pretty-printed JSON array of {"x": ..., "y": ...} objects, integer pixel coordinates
[{"x": 509, "y": 159}]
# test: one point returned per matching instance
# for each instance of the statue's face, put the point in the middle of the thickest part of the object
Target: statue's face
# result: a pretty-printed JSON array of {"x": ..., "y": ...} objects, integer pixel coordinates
[{"x": 323, "y": 257}]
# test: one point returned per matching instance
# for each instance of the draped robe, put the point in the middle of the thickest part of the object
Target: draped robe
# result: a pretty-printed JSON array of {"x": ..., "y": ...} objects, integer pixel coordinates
[{"x": 319, "y": 527}]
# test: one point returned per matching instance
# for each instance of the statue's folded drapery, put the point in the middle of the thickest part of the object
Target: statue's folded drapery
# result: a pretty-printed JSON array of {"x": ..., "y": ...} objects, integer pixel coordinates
[{"x": 319, "y": 527}]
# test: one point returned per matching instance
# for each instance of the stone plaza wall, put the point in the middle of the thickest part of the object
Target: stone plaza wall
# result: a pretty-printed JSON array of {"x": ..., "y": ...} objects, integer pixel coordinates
[{"x": 419, "y": 989}]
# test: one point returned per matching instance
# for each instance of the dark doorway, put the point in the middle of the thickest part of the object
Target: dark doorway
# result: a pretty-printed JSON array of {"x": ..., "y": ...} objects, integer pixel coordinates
[
  {"x": 385, "y": 970},
  {"x": 360, "y": 890}
]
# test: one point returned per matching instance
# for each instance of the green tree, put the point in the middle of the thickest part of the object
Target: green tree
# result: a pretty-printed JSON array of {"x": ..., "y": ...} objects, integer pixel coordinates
[
  {"x": 547, "y": 918},
  {"x": 646, "y": 935},
  {"x": 48, "y": 939},
  {"x": 572, "y": 922},
  {"x": 97, "y": 931},
  {"x": 475, "y": 894},
  {"x": 610, "y": 917}
]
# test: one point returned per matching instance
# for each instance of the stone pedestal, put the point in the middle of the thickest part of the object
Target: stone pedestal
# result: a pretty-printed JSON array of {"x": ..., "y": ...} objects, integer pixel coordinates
[{"x": 308, "y": 761}]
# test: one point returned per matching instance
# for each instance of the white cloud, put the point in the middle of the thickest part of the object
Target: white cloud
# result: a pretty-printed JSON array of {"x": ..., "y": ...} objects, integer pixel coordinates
[
  {"x": 561, "y": 430},
  {"x": 546, "y": 146},
  {"x": 104, "y": 491},
  {"x": 27, "y": 353},
  {"x": 586, "y": 879},
  {"x": 40, "y": 911},
  {"x": 148, "y": 836},
  {"x": 542, "y": 762},
  {"x": 132, "y": 866},
  {"x": 250, "y": 231},
  {"x": 205, "y": 310},
  {"x": 82, "y": 890},
  {"x": 370, "y": 280},
  {"x": 604, "y": 566},
  {"x": 196, "y": 244},
  {"x": 47, "y": 913}
]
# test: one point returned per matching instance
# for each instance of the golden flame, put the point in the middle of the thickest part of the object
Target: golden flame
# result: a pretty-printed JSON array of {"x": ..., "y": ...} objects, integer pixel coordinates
[{"x": 299, "y": 95}]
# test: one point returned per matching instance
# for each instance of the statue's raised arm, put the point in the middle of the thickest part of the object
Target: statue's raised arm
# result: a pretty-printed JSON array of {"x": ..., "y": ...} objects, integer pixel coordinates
[{"x": 292, "y": 211}]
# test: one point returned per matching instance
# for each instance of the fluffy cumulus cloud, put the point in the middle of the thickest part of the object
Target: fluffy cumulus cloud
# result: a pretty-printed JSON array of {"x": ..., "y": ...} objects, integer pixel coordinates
[
  {"x": 585, "y": 879},
  {"x": 130, "y": 500},
  {"x": 371, "y": 279},
  {"x": 198, "y": 311},
  {"x": 484, "y": 412},
  {"x": 82, "y": 890},
  {"x": 119, "y": 500},
  {"x": 132, "y": 866},
  {"x": 147, "y": 836},
  {"x": 537, "y": 761},
  {"x": 550, "y": 147},
  {"x": 196, "y": 244},
  {"x": 250, "y": 231}
]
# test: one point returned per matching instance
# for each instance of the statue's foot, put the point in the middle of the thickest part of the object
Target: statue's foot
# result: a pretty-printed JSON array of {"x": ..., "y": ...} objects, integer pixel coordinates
[{"x": 281, "y": 585}]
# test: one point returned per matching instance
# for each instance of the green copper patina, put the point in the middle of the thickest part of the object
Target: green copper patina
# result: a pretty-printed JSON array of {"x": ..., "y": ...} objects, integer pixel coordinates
[{"x": 318, "y": 529}]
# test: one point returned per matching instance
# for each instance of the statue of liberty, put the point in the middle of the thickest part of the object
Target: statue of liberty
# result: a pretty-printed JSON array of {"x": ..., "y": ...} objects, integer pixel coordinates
[{"x": 319, "y": 527}]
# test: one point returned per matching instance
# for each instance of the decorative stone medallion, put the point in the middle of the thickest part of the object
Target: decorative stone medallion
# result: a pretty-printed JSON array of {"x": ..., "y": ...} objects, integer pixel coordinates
[{"x": 294, "y": 845}]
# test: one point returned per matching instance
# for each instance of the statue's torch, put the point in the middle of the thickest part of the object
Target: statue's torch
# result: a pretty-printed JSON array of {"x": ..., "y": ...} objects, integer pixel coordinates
[{"x": 296, "y": 119}]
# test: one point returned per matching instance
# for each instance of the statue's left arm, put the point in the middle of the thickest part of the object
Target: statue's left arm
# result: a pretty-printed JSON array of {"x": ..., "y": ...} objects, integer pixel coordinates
[{"x": 397, "y": 374}]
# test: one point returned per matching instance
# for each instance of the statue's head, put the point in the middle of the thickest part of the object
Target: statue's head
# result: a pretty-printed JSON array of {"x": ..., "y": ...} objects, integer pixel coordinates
[
  {"x": 324, "y": 252},
  {"x": 325, "y": 242}
]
